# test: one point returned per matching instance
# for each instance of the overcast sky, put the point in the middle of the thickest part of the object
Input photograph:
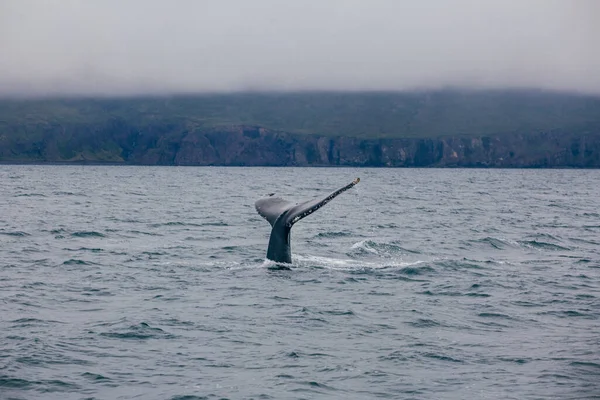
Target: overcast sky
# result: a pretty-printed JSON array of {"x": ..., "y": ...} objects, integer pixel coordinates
[{"x": 149, "y": 46}]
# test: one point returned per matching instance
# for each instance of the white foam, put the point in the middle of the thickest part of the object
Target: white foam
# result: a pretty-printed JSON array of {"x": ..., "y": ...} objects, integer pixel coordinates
[{"x": 350, "y": 264}]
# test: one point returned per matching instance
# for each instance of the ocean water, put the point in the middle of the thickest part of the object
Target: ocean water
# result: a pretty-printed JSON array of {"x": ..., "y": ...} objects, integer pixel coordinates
[{"x": 151, "y": 283}]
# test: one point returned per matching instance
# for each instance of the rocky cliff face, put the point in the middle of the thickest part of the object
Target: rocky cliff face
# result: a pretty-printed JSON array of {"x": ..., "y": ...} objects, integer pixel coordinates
[
  {"x": 412, "y": 129},
  {"x": 255, "y": 146},
  {"x": 118, "y": 142}
]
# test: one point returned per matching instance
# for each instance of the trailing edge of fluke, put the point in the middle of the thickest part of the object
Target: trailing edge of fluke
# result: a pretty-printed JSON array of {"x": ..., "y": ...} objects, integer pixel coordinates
[{"x": 282, "y": 215}]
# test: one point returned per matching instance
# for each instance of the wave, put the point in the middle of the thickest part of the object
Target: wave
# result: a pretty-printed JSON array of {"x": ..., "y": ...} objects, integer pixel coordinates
[
  {"x": 30, "y": 195},
  {"x": 141, "y": 331},
  {"x": 14, "y": 233},
  {"x": 93, "y": 250},
  {"x": 495, "y": 243},
  {"x": 534, "y": 244},
  {"x": 87, "y": 234},
  {"x": 75, "y": 261},
  {"x": 332, "y": 234}
]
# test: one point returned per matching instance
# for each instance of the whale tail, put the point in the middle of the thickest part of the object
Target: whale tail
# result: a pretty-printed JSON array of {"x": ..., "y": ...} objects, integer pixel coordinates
[{"x": 282, "y": 215}]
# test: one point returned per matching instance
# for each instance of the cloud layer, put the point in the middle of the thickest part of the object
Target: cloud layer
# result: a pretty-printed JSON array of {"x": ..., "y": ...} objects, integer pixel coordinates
[{"x": 146, "y": 46}]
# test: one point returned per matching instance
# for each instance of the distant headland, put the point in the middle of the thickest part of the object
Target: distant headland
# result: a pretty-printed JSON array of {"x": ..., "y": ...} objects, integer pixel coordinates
[{"x": 443, "y": 128}]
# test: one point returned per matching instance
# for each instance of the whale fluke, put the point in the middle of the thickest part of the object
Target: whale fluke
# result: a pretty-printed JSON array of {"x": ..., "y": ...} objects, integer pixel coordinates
[{"x": 283, "y": 214}]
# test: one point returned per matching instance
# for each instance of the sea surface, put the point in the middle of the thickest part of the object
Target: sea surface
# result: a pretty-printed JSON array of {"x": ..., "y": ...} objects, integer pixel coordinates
[{"x": 151, "y": 283}]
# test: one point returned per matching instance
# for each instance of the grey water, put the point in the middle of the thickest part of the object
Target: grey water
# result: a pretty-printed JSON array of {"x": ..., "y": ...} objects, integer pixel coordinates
[{"x": 151, "y": 283}]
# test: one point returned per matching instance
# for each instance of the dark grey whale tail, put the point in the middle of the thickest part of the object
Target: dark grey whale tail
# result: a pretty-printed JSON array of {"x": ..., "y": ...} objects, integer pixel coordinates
[{"x": 282, "y": 215}]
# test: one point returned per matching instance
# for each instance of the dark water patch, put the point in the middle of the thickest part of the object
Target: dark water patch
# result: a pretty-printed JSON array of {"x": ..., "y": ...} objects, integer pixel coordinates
[
  {"x": 585, "y": 241},
  {"x": 132, "y": 193},
  {"x": 580, "y": 276},
  {"x": 155, "y": 253},
  {"x": 494, "y": 243},
  {"x": 213, "y": 224},
  {"x": 375, "y": 293},
  {"x": 33, "y": 322},
  {"x": 125, "y": 220},
  {"x": 285, "y": 376},
  {"x": 473, "y": 294},
  {"x": 14, "y": 383},
  {"x": 75, "y": 261},
  {"x": 424, "y": 323},
  {"x": 65, "y": 193},
  {"x": 552, "y": 377},
  {"x": 414, "y": 270},
  {"x": 587, "y": 365},
  {"x": 142, "y": 331},
  {"x": 90, "y": 249},
  {"x": 591, "y": 214},
  {"x": 534, "y": 244},
  {"x": 338, "y": 312},
  {"x": 567, "y": 314},
  {"x": 44, "y": 386},
  {"x": 91, "y": 291},
  {"x": 47, "y": 359},
  {"x": 16, "y": 337},
  {"x": 514, "y": 360},
  {"x": 194, "y": 397},
  {"x": 333, "y": 234},
  {"x": 220, "y": 365},
  {"x": 30, "y": 195},
  {"x": 442, "y": 357},
  {"x": 396, "y": 356},
  {"x": 390, "y": 225},
  {"x": 87, "y": 234},
  {"x": 55, "y": 385},
  {"x": 194, "y": 239},
  {"x": 525, "y": 303},
  {"x": 494, "y": 315},
  {"x": 95, "y": 377},
  {"x": 177, "y": 322},
  {"x": 31, "y": 250},
  {"x": 14, "y": 233},
  {"x": 138, "y": 232},
  {"x": 546, "y": 236},
  {"x": 450, "y": 293},
  {"x": 34, "y": 285}
]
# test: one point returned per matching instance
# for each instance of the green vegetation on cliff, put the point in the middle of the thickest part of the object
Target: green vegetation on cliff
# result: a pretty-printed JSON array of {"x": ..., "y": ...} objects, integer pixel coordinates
[{"x": 154, "y": 130}]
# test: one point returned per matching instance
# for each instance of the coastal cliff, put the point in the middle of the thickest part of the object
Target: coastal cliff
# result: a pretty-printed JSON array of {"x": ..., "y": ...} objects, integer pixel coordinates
[
  {"x": 365, "y": 130},
  {"x": 255, "y": 146}
]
